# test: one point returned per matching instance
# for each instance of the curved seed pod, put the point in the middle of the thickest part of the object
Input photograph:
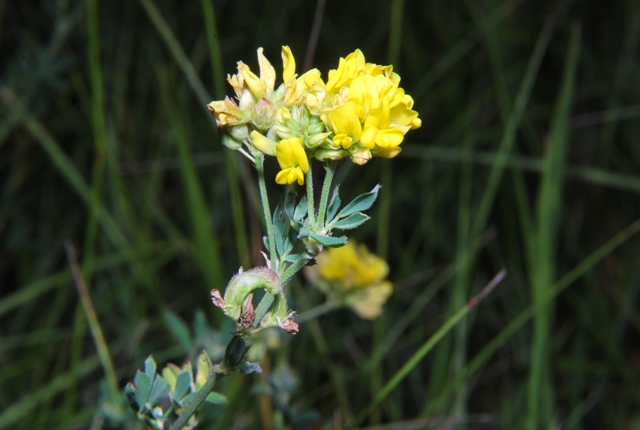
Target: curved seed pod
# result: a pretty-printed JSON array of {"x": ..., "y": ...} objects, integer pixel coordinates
[
  {"x": 280, "y": 315},
  {"x": 245, "y": 283}
]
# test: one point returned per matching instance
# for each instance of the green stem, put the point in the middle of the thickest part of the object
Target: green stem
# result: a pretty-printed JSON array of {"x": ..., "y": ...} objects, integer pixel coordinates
[
  {"x": 263, "y": 307},
  {"x": 322, "y": 309},
  {"x": 330, "y": 168},
  {"x": 197, "y": 401},
  {"x": 312, "y": 207},
  {"x": 266, "y": 211},
  {"x": 294, "y": 268}
]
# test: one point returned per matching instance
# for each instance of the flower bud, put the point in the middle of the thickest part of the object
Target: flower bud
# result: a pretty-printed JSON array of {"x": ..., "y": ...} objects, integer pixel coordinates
[{"x": 236, "y": 351}]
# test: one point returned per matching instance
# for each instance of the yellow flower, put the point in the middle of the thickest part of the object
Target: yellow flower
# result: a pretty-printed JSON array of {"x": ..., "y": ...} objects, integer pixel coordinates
[
  {"x": 354, "y": 276},
  {"x": 264, "y": 144},
  {"x": 293, "y": 161},
  {"x": 360, "y": 112},
  {"x": 258, "y": 99},
  {"x": 348, "y": 68},
  {"x": 346, "y": 125},
  {"x": 364, "y": 106}
]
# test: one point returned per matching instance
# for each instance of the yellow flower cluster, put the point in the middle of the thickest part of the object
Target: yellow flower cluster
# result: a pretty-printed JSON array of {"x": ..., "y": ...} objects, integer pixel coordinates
[
  {"x": 359, "y": 112},
  {"x": 353, "y": 276}
]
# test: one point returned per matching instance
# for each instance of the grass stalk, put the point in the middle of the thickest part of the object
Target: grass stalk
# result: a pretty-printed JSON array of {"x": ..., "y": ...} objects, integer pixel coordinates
[
  {"x": 94, "y": 324},
  {"x": 541, "y": 402},
  {"x": 419, "y": 355},
  {"x": 237, "y": 210}
]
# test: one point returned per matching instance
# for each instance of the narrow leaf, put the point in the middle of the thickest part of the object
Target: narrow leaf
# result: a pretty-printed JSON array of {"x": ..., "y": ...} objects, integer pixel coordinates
[
  {"x": 334, "y": 203},
  {"x": 360, "y": 203},
  {"x": 290, "y": 203},
  {"x": 216, "y": 398},
  {"x": 150, "y": 367},
  {"x": 278, "y": 228},
  {"x": 160, "y": 390},
  {"x": 301, "y": 210},
  {"x": 178, "y": 329},
  {"x": 183, "y": 383},
  {"x": 143, "y": 387},
  {"x": 351, "y": 221},
  {"x": 288, "y": 242},
  {"x": 292, "y": 257},
  {"x": 130, "y": 392},
  {"x": 331, "y": 242}
]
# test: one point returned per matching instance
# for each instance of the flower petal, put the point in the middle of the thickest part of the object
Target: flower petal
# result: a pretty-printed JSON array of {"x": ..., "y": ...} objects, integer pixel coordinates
[
  {"x": 288, "y": 65},
  {"x": 264, "y": 144},
  {"x": 267, "y": 72}
]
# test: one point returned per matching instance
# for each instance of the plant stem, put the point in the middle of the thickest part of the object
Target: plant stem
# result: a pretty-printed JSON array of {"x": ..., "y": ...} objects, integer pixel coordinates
[
  {"x": 193, "y": 406},
  {"x": 310, "y": 202},
  {"x": 294, "y": 268},
  {"x": 266, "y": 211},
  {"x": 330, "y": 168},
  {"x": 317, "y": 311},
  {"x": 263, "y": 307}
]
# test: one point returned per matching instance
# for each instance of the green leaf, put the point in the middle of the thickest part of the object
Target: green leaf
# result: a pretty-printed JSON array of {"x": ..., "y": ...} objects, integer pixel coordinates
[
  {"x": 277, "y": 230},
  {"x": 360, "y": 203},
  {"x": 160, "y": 390},
  {"x": 150, "y": 367},
  {"x": 301, "y": 210},
  {"x": 331, "y": 242},
  {"x": 143, "y": 387},
  {"x": 216, "y": 398},
  {"x": 351, "y": 221},
  {"x": 334, "y": 204},
  {"x": 290, "y": 203},
  {"x": 288, "y": 242},
  {"x": 183, "y": 383},
  {"x": 304, "y": 231},
  {"x": 178, "y": 329},
  {"x": 132, "y": 398},
  {"x": 187, "y": 399},
  {"x": 292, "y": 257},
  {"x": 199, "y": 325}
]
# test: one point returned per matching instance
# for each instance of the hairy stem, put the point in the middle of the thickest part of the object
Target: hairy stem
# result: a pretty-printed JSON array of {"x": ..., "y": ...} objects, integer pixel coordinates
[
  {"x": 263, "y": 307},
  {"x": 294, "y": 268},
  {"x": 197, "y": 401},
  {"x": 266, "y": 211}
]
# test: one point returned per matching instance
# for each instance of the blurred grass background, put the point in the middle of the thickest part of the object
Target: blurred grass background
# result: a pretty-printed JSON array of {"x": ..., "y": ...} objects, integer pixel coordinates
[{"x": 528, "y": 159}]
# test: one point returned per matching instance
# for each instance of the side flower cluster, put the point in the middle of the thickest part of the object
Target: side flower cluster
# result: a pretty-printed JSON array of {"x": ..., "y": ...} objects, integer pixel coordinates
[
  {"x": 354, "y": 277},
  {"x": 359, "y": 112}
]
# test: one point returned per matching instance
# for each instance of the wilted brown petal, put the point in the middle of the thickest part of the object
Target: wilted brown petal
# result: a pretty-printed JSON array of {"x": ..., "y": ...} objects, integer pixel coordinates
[
  {"x": 216, "y": 298},
  {"x": 289, "y": 326},
  {"x": 248, "y": 315}
]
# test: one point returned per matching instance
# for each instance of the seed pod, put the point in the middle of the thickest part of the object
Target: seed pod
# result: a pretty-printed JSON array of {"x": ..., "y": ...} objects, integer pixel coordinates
[{"x": 245, "y": 283}]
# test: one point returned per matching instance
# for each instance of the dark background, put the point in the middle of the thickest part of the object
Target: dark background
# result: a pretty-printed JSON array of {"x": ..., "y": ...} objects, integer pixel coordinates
[{"x": 527, "y": 159}]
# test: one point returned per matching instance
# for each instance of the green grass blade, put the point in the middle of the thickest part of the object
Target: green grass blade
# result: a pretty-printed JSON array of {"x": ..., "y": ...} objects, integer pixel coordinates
[
  {"x": 206, "y": 250},
  {"x": 237, "y": 209},
  {"x": 541, "y": 402}
]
